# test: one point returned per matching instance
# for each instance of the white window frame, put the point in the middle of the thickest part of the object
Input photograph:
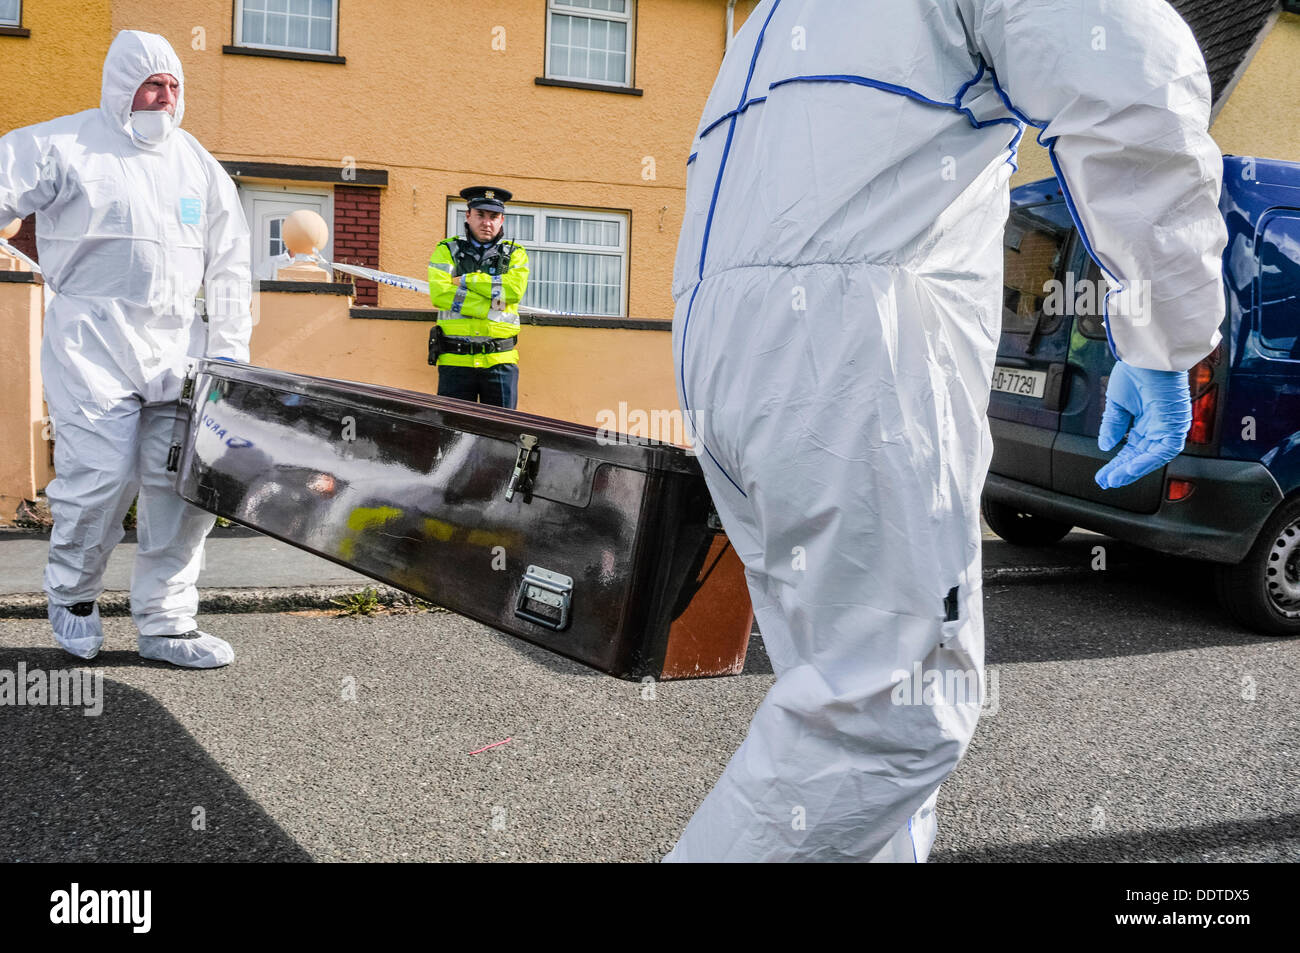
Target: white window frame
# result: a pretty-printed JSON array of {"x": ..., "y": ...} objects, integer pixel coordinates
[
  {"x": 18, "y": 17},
  {"x": 334, "y": 34},
  {"x": 566, "y": 9},
  {"x": 539, "y": 243}
]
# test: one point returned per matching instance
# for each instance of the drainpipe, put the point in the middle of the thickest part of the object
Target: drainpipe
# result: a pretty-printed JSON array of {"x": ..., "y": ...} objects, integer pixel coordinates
[{"x": 731, "y": 21}]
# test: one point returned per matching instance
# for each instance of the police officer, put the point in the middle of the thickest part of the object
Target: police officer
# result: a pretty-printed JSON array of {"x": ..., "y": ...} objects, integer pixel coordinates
[{"x": 476, "y": 281}]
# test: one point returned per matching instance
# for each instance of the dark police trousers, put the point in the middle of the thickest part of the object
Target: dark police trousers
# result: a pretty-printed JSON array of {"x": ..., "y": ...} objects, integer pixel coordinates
[{"x": 497, "y": 385}]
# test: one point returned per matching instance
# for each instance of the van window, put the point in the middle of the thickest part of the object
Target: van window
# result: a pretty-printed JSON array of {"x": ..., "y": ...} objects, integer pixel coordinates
[
  {"x": 1091, "y": 321},
  {"x": 1279, "y": 283},
  {"x": 1034, "y": 243}
]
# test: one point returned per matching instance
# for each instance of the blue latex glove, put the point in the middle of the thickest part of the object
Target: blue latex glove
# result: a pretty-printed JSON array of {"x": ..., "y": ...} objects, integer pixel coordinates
[
  {"x": 228, "y": 360},
  {"x": 1158, "y": 408}
]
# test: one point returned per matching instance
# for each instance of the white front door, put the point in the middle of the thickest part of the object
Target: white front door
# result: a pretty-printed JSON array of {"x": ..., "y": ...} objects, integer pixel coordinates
[{"x": 266, "y": 207}]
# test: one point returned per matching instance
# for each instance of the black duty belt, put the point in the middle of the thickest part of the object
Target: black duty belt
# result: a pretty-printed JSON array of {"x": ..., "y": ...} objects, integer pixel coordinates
[
  {"x": 440, "y": 343},
  {"x": 453, "y": 345}
]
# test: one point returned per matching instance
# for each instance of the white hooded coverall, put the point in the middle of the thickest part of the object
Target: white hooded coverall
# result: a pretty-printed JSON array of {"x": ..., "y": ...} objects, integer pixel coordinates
[
  {"x": 838, "y": 311},
  {"x": 127, "y": 232}
]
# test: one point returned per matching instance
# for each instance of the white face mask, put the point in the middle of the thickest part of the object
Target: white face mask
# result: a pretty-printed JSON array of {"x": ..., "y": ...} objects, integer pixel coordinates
[{"x": 152, "y": 125}]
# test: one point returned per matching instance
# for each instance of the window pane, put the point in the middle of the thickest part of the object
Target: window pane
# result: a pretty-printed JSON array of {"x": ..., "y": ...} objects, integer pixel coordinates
[
  {"x": 9, "y": 12},
  {"x": 519, "y": 227},
  {"x": 613, "y": 6},
  {"x": 254, "y": 27},
  {"x": 276, "y": 29},
  {"x": 560, "y": 60},
  {"x": 293, "y": 24},
  {"x": 1033, "y": 244},
  {"x": 276, "y": 245},
  {"x": 581, "y": 231},
  {"x": 589, "y": 48},
  {"x": 321, "y": 31},
  {"x": 1279, "y": 285},
  {"x": 298, "y": 32},
  {"x": 576, "y": 281}
]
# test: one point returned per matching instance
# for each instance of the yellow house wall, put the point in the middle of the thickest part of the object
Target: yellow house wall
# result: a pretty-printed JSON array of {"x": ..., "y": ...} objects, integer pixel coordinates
[
  {"x": 1262, "y": 116},
  {"x": 57, "y": 69},
  {"x": 24, "y": 452},
  {"x": 568, "y": 373}
]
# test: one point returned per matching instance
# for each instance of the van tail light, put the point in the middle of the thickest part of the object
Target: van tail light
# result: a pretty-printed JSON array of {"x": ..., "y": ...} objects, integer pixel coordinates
[
  {"x": 1205, "y": 398},
  {"x": 1204, "y": 410}
]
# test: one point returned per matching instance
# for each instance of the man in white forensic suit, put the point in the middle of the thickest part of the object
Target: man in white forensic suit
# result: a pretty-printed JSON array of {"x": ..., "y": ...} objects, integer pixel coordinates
[
  {"x": 133, "y": 217},
  {"x": 838, "y": 309}
]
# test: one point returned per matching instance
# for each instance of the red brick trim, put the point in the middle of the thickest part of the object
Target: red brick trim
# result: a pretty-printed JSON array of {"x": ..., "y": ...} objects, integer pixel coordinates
[
  {"x": 25, "y": 240},
  {"x": 356, "y": 235}
]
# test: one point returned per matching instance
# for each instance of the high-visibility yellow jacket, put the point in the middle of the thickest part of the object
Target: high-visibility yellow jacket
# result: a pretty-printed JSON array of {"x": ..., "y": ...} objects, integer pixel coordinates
[{"x": 477, "y": 292}]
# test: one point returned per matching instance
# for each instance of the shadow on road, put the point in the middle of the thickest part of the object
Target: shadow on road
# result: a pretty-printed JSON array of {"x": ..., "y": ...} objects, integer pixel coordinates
[
  {"x": 1178, "y": 844},
  {"x": 1145, "y": 604},
  {"x": 120, "y": 786}
]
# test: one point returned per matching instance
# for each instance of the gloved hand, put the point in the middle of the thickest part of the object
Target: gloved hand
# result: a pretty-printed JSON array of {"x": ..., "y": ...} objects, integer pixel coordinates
[{"x": 1158, "y": 408}]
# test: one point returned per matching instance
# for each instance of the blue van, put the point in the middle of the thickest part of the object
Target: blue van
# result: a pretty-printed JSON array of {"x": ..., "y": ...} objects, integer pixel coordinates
[{"x": 1233, "y": 496}]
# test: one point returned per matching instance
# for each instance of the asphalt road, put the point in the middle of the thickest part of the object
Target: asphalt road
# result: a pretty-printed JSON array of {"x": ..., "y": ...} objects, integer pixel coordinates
[{"x": 1131, "y": 722}]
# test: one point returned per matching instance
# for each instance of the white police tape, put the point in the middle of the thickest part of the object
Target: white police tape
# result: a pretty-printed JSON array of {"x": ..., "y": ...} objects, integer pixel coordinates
[
  {"x": 383, "y": 277},
  {"x": 422, "y": 287}
]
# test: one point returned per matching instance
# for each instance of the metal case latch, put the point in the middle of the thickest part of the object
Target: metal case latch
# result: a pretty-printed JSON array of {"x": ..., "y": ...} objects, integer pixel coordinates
[
  {"x": 525, "y": 466},
  {"x": 544, "y": 598}
]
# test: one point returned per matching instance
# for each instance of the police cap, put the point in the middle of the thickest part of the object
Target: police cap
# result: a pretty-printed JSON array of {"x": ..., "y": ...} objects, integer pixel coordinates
[{"x": 486, "y": 197}]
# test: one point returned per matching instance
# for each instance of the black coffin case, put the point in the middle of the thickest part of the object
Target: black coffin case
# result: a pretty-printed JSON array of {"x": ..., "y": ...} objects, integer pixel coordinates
[{"x": 603, "y": 549}]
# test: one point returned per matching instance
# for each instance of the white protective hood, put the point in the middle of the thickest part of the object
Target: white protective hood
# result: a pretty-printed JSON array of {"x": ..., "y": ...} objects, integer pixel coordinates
[{"x": 133, "y": 58}]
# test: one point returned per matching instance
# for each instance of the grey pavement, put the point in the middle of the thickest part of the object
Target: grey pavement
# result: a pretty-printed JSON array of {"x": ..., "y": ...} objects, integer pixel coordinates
[
  {"x": 232, "y": 559},
  {"x": 241, "y": 559},
  {"x": 1131, "y": 723},
  {"x": 1129, "y": 720}
]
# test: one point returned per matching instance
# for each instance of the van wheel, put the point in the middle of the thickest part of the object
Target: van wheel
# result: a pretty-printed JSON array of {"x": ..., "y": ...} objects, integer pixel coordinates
[
  {"x": 1263, "y": 590},
  {"x": 1020, "y": 528}
]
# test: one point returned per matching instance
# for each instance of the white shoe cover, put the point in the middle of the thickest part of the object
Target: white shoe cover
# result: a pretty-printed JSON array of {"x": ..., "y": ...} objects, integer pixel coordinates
[
  {"x": 80, "y": 635},
  {"x": 193, "y": 650}
]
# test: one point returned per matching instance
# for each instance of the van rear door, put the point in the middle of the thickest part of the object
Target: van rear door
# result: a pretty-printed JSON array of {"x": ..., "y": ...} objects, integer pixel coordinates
[{"x": 1029, "y": 379}]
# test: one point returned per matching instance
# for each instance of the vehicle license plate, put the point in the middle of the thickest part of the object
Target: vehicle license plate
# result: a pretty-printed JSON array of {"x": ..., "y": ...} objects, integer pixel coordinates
[{"x": 1011, "y": 380}]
